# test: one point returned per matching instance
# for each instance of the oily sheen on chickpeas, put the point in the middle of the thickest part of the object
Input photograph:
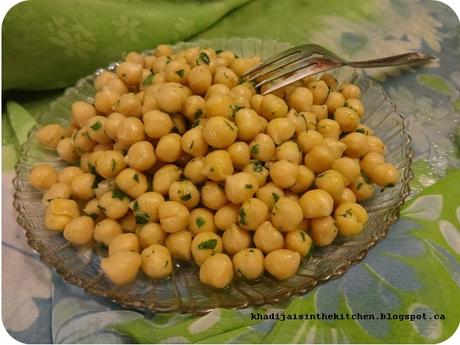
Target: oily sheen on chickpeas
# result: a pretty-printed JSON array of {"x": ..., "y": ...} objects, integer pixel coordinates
[{"x": 178, "y": 158}]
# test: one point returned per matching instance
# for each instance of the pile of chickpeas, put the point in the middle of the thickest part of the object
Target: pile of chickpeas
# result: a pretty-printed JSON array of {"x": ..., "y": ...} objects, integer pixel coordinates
[{"x": 179, "y": 158}]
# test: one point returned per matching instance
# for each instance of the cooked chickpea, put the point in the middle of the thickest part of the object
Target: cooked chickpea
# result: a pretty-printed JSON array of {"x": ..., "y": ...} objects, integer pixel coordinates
[
  {"x": 141, "y": 156},
  {"x": 217, "y": 89},
  {"x": 114, "y": 204},
  {"x": 375, "y": 144},
  {"x": 146, "y": 206},
  {"x": 323, "y": 230},
  {"x": 173, "y": 216},
  {"x": 130, "y": 131},
  {"x": 226, "y": 216},
  {"x": 220, "y": 132},
  {"x": 106, "y": 230},
  {"x": 116, "y": 87},
  {"x": 103, "y": 78},
  {"x": 157, "y": 123},
  {"x": 362, "y": 188},
  {"x": 252, "y": 213},
  {"x": 329, "y": 129},
  {"x": 284, "y": 173},
  {"x": 304, "y": 180},
  {"x": 124, "y": 243},
  {"x": 92, "y": 210},
  {"x": 286, "y": 214},
  {"x": 280, "y": 130},
  {"x": 320, "y": 111},
  {"x": 240, "y": 187},
  {"x": 347, "y": 196},
  {"x": 59, "y": 213},
  {"x": 258, "y": 169},
  {"x": 110, "y": 163},
  {"x": 179, "y": 244},
  {"x": 319, "y": 90},
  {"x": 301, "y": 99},
  {"x": 193, "y": 107},
  {"x": 129, "y": 72},
  {"x": 370, "y": 160},
  {"x": 349, "y": 168},
  {"x": 239, "y": 154},
  {"x": 111, "y": 124},
  {"x": 298, "y": 241},
  {"x": 213, "y": 196},
  {"x": 256, "y": 100},
  {"x": 169, "y": 148},
  {"x": 42, "y": 176},
  {"x": 132, "y": 182},
  {"x": 149, "y": 234},
  {"x": 248, "y": 263},
  {"x": 262, "y": 147},
  {"x": 347, "y": 119},
  {"x": 356, "y": 105},
  {"x": 282, "y": 263},
  {"x": 290, "y": 151},
  {"x": 129, "y": 105},
  {"x": 226, "y": 76},
  {"x": 82, "y": 112},
  {"x": 201, "y": 220},
  {"x": 332, "y": 182},
  {"x": 204, "y": 245},
  {"x": 82, "y": 186},
  {"x": 357, "y": 144},
  {"x": 269, "y": 194},
  {"x": 128, "y": 222},
  {"x": 384, "y": 174},
  {"x": 122, "y": 268},
  {"x": 67, "y": 151},
  {"x": 219, "y": 105},
  {"x": 184, "y": 192},
  {"x": 105, "y": 100},
  {"x": 164, "y": 177},
  {"x": 194, "y": 143},
  {"x": 334, "y": 100},
  {"x": 235, "y": 239},
  {"x": 169, "y": 98},
  {"x": 68, "y": 174},
  {"x": 156, "y": 261},
  {"x": 320, "y": 158},
  {"x": 199, "y": 79},
  {"x": 82, "y": 141},
  {"x": 194, "y": 170},
  {"x": 57, "y": 190},
  {"x": 217, "y": 271},
  {"x": 50, "y": 135},
  {"x": 299, "y": 120},
  {"x": 316, "y": 203},
  {"x": 350, "y": 218},
  {"x": 308, "y": 139},
  {"x": 217, "y": 165},
  {"x": 272, "y": 107},
  {"x": 177, "y": 71},
  {"x": 350, "y": 91}
]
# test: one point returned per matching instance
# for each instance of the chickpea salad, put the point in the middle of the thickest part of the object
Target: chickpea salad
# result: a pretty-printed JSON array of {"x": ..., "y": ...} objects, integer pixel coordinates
[{"x": 178, "y": 158}]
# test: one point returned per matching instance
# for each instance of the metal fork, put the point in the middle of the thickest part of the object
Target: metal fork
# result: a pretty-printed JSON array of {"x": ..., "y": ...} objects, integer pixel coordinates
[{"x": 306, "y": 60}]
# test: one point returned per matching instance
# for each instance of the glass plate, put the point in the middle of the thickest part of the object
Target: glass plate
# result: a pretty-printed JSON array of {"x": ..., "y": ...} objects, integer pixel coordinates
[{"x": 183, "y": 292}]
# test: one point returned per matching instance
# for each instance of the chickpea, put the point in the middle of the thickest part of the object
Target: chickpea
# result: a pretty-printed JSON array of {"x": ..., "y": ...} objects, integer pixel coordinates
[
  {"x": 173, "y": 216},
  {"x": 241, "y": 187},
  {"x": 122, "y": 268},
  {"x": 103, "y": 78},
  {"x": 180, "y": 123},
  {"x": 282, "y": 263},
  {"x": 270, "y": 194},
  {"x": 164, "y": 177},
  {"x": 329, "y": 129},
  {"x": 82, "y": 186},
  {"x": 384, "y": 174},
  {"x": 129, "y": 105},
  {"x": 258, "y": 169},
  {"x": 320, "y": 158},
  {"x": 320, "y": 111},
  {"x": 79, "y": 231},
  {"x": 245, "y": 90},
  {"x": 67, "y": 151},
  {"x": 217, "y": 89},
  {"x": 130, "y": 131},
  {"x": 280, "y": 130},
  {"x": 68, "y": 174},
  {"x": 262, "y": 147},
  {"x": 194, "y": 143},
  {"x": 227, "y": 56},
  {"x": 226, "y": 216},
  {"x": 177, "y": 71},
  {"x": 319, "y": 90},
  {"x": 332, "y": 182},
  {"x": 301, "y": 99},
  {"x": 163, "y": 50},
  {"x": 179, "y": 244},
  {"x": 235, "y": 239},
  {"x": 304, "y": 180},
  {"x": 308, "y": 139},
  {"x": 213, "y": 196},
  {"x": 149, "y": 234},
  {"x": 184, "y": 192},
  {"x": 376, "y": 145},
  {"x": 256, "y": 100},
  {"x": 57, "y": 190},
  {"x": 219, "y": 105},
  {"x": 132, "y": 182},
  {"x": 217, "y": 271},
  {"x": 239, "y": 154},
  {"x": 284, "y": 173},
  {"x": 141, "y": 156},
  {"x": 59, "y": 213},
  {"x": 129, "y": 222},
  {"x": 220, "y": 132},
  {"x": 199, "y": 79},
  {"x": 299, "y": 120},
  {"x": 272, "y": 107},
  {"x": 316, "y": 203},
  {"x": 226, "y": 76},
  {"x": 111, "y": 124},
  {"x": 370, "y": 160},
  {"x": 217, "y": 165},
  {"x": 205, "y": 244},
  {"x": 146, "y": 206},
  {"x": 50, "y": 135},
  {"x": 248, "y": 124},
  {"x": 169, "y": 148},
  {"x": 334, "y": 100},
  {"x": 92, "y": 210},
  {"x": 82, "y": 112},
  {"x": 124, "y": 243},
  {"x": 348, "y": 167},
  {"x": 114, "y": 204},
  {"x": 116, "y": 87},
  {"x": 347, "y": 196},
  {"x": 357, "y": 144},
  {"x": 323, "y": 230},
  {"x": 286, "y": 214},
  {"x": 135, "y": 57},
  {"x": 290, "y": 151},
  {"x": 298, "y": 241},
  {"x": 169, "y": 98},
  {"x": 350, "y": 218},
  {"x": 106, "y": 230},
  {"x": 252, "y": 213},
  {"x": 82, "y": 141},
  {"x": 336, "y": 146},
  {"x": 362, "y": 188},
  {"x": 194, "y": 170},
  {"x": 347, "y": 119},
  {"x": 42, "y": 176},
  {"x": 201, "y": 220},
  {"x": 157, "y": 124},
  {"x": 105, "y": 100},
  {"x": 156, "y": 261},
  {"x": 248, "y": 263},
  {"x": 241, "y": 65},
  {"x": 350, "y": 91},
  {"x": 356, "y": 105},
  {"x": 110, "y": 163},
  {"x": 129, "y": 72}
]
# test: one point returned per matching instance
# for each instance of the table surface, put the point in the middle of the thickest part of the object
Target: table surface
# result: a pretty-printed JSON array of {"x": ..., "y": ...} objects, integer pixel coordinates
[{"x": 414, "y": 270}]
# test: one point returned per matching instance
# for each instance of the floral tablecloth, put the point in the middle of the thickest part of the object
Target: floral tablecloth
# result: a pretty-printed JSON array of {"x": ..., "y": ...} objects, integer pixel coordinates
[{"x": 48, "y": 44}]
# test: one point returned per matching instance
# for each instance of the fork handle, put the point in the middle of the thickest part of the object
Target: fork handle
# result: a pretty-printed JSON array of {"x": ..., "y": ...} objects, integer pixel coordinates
[{"x": 396, "y": 60}]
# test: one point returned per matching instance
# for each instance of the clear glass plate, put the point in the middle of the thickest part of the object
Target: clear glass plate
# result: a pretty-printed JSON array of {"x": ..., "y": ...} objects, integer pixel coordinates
[{"x": 183, "y": 292}]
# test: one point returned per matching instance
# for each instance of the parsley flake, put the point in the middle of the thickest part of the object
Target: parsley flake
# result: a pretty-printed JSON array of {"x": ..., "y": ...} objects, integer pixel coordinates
[
  {"x": 248, "y": 186},
  {"x": 136, "y": 177},
  {"x": 209, "y": 244},
  {"x": 302, "y": 234},
  {"x": 149, "y": 79},
  {"x": 204, "y": 57},
  {"x": 96, "y": 126},
  {"x": 255, "y": 149},
  {"x": 229, "y": 125},
  {"x": 257, "y": 166},
  {"x": 180, "y": 73},
  {"x": 186, "y": 197},
  {"x": 118, "y": 194},
  {"x": 198, "y": 114},
  {"x": 276, "y": 197},
  {"x": 199, "y": 221},
  {"x": 242, "y": 219},
  {"x": 114, "y": 164},
  {"x": 142, "y": 218},
  {"x": 361, "y": 130}
]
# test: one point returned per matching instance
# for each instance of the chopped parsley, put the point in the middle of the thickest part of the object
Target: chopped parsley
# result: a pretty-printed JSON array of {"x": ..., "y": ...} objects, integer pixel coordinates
[
  {"x": 180, "y": 73},
  {"x": 218, "y": 51},
  {"x": 102, "y": 209},
  {"x": 235, "y": 108},
  {"x": 135, "y": 206},
  {"x": 149, "y": 79},
  {"x": 96, "y": 126},
  {"x": 92, "y": 168},
  {"x": 114, "y": 164},
  {"x": 92, "y": 215},
  {"x": 365, "y": 177},
  {"x": 275, "y": 196},
  {"x": 248, "y": 186},
  {"x": 142, "y": 218},
  {"x": 199, "y": 221},
  {"x": 96, "y": 181},
  {"x": 390, "y": 185},
  {"x": 251, "y": 250},
  {"x": 204, "y": 58},
  {"x": 347, "y": 214},
  {"x": 257, "y": 166},
  {"x": 242, "y": 219},
  {"x": 166, "y": 263},
  {"x": 361, "y": 130},
  {"x": 186, "y": 197},
  {"x": 359, "y": 185},
  {"x": 168, "y": 59},
  {"x": 195, "y": 123},
  {"x": 209, "y": 244},
  {"x": 191, "y": 145},
  {"x": 118, "y": 194},
  {"x": 302, "y": 234},
  {"x": 101, "y": 245},
  {"x": 255, "y": 149},
  {"x": 229, "y": 125},
  {"x": 136, "y": 177},
  {"x": 198, "y": 114}
]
